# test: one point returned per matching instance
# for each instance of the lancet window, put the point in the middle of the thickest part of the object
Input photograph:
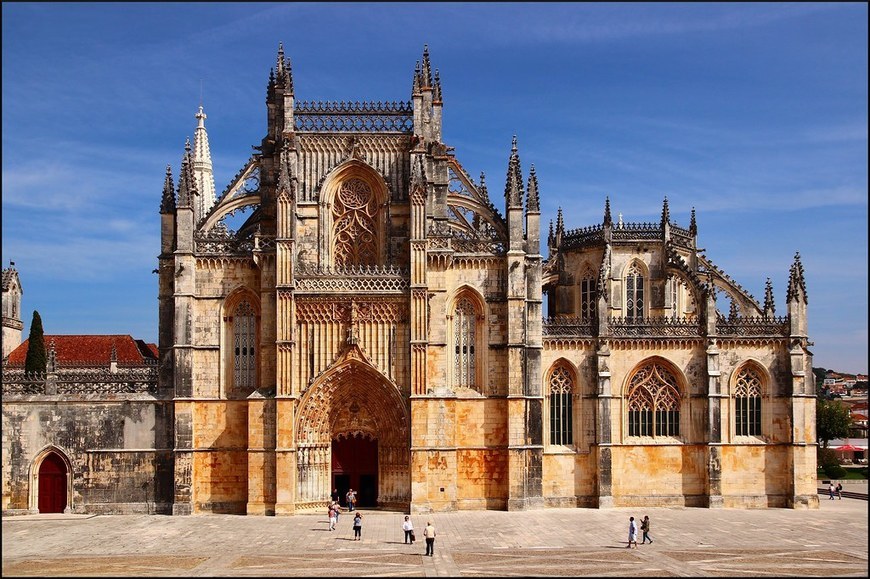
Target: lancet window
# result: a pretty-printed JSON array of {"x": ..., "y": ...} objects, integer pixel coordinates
[
  {"x": 653, "y": 402},
  {"x": 464, "y": 334},
  {"x": 634, "y": 298},
  {"x": 561, "y": 396},
  {"x": 587, "y": 295},
  {"x": 244, "y": 346},
  {"x": 355, "y": 224},
  {"x": 747, "y": 402}
]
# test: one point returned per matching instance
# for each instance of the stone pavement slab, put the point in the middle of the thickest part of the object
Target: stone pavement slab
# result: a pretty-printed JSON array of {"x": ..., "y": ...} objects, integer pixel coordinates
[{"x": 829, "y": 541}]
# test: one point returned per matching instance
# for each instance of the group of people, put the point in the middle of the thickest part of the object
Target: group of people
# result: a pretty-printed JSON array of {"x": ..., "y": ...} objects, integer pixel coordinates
[
  {"x": 632, "y": 532},
  {"x": 835, "y": 489},
  {"x": 407, "y": 526}
]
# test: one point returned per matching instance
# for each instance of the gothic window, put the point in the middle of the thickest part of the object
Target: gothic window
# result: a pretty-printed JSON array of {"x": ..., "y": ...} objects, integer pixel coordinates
[
  {"x": 653, "y": 402},
  {"x": 355, "y": 224},
  {"x": 464, "y": 333},
  {"x": 747, "y": 403},
  {"x": 244, "y": 351},
  {"x": 634, "y": 304},
  {"x": 561, "y": 396},
  {"x": 587, "y": 296}
]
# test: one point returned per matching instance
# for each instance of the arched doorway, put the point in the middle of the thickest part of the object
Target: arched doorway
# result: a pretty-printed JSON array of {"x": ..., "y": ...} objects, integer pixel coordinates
[
  {"x": 352, "y": 430},
  {"x": 355, "y": 466},
  {"x": 52, "y": 484}
]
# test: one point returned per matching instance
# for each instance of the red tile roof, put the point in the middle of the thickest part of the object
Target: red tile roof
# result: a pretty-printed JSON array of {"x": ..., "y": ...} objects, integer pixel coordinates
[{"x": 91, "y": 350}]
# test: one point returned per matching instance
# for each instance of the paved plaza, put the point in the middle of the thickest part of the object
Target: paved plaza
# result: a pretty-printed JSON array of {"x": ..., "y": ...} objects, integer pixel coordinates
[{"x": 830, "y": 541}]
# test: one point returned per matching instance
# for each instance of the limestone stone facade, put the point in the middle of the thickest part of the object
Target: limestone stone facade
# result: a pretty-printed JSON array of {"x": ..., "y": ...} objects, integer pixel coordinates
[
  {"x": 354, "y": 311},
  {"x": 12, "y": 323}
]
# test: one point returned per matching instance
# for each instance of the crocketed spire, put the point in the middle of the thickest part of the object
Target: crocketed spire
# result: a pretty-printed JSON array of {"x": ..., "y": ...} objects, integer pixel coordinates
[
  {"x": 550, "y": 238},
  {"x": 285, "y": 185},
  {"x": 532, "y": 202},
  {"x": 769, "y": 307},
  {"x": 513, "y": 190},
  {"x": 426, "y": 78},
  {"x": 186, "y": 180},
  {"x": 560, "y": 223},
  {"x": 666, "y": 212},
  {"x": 418, "y": 83},
  {"x": 482, "y": 187},
  {"x": 202, "y": 167},
  {"x": 693, "y": 225},
  {"x": 608, "y": 220},
  {"x": 167, "y": 202},
  {"x": 418, "y": 175},
  {"x": 797, "y": 288},
  {"x": 436, "y": 93},
  {"x": 283, "y": 72}
]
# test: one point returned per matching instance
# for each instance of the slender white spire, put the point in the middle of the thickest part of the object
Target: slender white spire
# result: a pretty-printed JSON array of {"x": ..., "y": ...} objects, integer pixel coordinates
[{"x": 202, "y": 168}]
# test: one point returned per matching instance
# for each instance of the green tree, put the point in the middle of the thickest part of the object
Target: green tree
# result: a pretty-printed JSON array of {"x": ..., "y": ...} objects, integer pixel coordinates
[
  {"x": 819, "y": 374},
  {"x": 833, "y": 420},
  {"x": 36, "y": 359}
]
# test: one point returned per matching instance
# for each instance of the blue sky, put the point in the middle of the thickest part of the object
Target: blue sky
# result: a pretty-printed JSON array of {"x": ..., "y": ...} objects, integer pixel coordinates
[{"x": 754, "y": 114}]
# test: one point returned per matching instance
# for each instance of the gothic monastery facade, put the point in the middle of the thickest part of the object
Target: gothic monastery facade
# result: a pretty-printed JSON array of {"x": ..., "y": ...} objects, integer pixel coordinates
[{"x": 354, "y": 311}]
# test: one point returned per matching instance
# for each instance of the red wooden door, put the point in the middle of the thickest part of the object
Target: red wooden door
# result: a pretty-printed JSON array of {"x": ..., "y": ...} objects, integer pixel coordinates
[
  {"x": 355, "y": 464},
  {"x": 52, "y": 485}
]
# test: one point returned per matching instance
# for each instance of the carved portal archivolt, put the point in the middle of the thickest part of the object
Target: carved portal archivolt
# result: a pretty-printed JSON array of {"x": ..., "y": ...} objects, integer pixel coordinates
[{"x": 352, "y": 398}]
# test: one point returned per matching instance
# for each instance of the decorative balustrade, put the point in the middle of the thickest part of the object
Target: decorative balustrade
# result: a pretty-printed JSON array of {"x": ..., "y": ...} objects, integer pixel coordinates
[
  {"x": 754, "y": 326},
  {"x": 131, "y": 380},
  {"x": 567, "y": 327},
  {"x": 681, "y": 236},
  {"x": 581, "y": 237},
  {"x": 637, "y": 231},
  {"x": 654, "y": 327},
  {"x": 353, "y": 279},
  {"x": 16, "y": 381},
  {"x": 367, "y": 117},
  {"x": 221, "y": 241}
]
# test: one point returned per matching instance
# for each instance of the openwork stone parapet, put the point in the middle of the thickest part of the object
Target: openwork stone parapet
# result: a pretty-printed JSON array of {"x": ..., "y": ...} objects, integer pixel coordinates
[
  {"x": 367, "y": 117},
  {"x": 657, "y": 326},
  {"x": 638, "y": 232},
  {"x": 354, "y": 279},
  {"x": 567, "y": 327},
  {"x": 754, "y": 326},
  {"x": 102, "y": 381}
]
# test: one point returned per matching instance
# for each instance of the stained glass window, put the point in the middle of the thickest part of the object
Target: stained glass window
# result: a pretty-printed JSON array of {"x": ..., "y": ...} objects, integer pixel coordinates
[
  {"x": 354, "y": 224},
  {"x": 653, "y": 402},
  {"x": 747, "y": 403},
  {"x": 244, "y": 350},
  {"x": 464, "y": 331},
  {"x": 561, "y": 407},
  {"x": 634, "y": 306},
  {"x": 587, "y": 296}
]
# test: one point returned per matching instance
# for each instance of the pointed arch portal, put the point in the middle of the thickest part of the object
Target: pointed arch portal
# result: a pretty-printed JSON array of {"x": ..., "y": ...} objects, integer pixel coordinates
[
  {"x": 353, "y": 431},
  {"x": 52, "y": 484}
]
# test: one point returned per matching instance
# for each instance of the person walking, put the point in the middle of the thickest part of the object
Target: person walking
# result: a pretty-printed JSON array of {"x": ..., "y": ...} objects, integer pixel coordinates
[
  {"x": 840, "y": 491},
  {"x": 831, "y": 490},
  {"x": 357, "y": 526},
  {"x": 644, "y": 526},
  {"x": 408, "y": 527},
  {"x": 332, "y": 516},
  {"x": 632, "y": 533},
  {"x": 337, "y": 506},
  {"x": 429, "y": 534},
  {"x": 350, "y": 497}
]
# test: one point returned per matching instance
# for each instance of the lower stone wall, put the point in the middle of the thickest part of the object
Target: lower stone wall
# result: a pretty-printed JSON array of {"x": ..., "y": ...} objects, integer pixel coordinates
[
  {"x": 114, "y": 446},
  {"x": 659, "y": 476}
]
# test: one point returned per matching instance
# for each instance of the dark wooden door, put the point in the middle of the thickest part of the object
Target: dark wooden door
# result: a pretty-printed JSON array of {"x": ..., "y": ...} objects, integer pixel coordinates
[
  {"x": 52, "y": 485},
  {"x": 355, "y": 465}
]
